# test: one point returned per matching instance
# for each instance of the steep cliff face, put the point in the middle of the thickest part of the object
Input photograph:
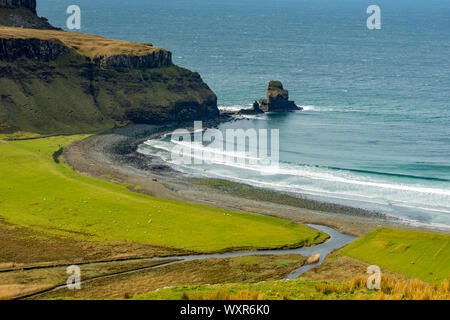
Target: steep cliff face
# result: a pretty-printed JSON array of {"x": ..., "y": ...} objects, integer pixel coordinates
[
  {"x": 156, "y": 59},
  {"x": 27, "y": 4},
  {"x": 45, "y": 50},
  {"x": 21, "y": 13},
  {"x": 50, "y": 85}
]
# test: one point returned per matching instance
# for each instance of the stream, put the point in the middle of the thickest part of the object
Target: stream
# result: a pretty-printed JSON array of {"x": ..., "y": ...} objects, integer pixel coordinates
[{"x": 337, "y": 240}]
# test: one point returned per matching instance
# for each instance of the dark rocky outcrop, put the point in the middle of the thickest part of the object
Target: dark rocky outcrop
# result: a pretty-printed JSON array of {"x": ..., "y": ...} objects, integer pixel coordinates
[
  {"x": 27, "y": 4},
  {"x": 156, "y": 59},
  {"x": 254, "y": 110},
  {"x": 37, "y": 49},
  {"x": 277, "y": 99},
  {"x": 22, "y": 13}
]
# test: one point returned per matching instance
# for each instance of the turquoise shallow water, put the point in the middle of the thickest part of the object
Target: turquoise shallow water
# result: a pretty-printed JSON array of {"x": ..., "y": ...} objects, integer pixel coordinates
[{"x": 375, "y": 131}]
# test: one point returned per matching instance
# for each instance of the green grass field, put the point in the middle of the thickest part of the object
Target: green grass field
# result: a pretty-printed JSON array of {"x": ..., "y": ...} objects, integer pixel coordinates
[
  {"x": 421, "y": 255},
  {"x": 392, "y": 288},
  {"x": 52, "y": 198},
  {"x": 269, "y": 290}
]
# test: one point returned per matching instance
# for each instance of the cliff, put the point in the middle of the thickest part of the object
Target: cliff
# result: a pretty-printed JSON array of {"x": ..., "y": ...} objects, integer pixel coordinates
[
  {"x": 21, "y": 13},
  {"x": 62, "y": 82},
  {"x": 27, "y": 4}
]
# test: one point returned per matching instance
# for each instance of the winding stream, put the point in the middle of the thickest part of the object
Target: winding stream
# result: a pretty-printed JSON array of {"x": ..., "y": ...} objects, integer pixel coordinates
[{"x": 337, "y": 240}]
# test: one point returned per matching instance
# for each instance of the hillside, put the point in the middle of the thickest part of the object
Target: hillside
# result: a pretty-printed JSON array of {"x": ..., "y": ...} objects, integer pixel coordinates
[
  {"x": 44, "y": 194},
  {"x": 63, "y": 82},
  {"x": 416, "y": 254}
]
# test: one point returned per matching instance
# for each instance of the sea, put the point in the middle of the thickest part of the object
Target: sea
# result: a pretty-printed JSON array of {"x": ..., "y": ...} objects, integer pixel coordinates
[{"x": 375, "y": 129}]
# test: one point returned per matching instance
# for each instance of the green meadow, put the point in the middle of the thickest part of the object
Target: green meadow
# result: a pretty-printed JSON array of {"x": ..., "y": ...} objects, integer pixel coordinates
[
  {"x": 415, "y": 254},
  {"x": 48, "y": 196},
  {"x": 269, "y": 290},
  {"x": 392, "y": 288}
]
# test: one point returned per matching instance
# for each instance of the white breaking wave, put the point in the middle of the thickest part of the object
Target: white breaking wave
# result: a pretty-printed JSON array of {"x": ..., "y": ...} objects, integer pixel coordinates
[
  {"x": 235, "y": 108},
  {"x": 254, "y": 117},
  {"x": 215, "y": 153},
  {"x": 298, "y": 171},
  {"x": 317, "y": 108},
  {"x": 317, "y": 181}
]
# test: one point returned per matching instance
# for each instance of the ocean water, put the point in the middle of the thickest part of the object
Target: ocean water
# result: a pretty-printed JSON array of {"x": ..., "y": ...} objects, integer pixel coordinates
[{"x": 375, "y": 129}]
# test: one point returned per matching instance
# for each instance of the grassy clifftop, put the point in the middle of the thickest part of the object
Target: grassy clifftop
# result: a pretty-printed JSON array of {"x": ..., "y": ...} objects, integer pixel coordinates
[
  {"x": 63, "y": 82},
  {"x": 91, "y": 46}
]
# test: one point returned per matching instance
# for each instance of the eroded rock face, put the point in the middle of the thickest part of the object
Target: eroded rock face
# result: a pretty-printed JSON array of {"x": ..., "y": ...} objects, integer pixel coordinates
[
  {"x": 36, "y": 49},
  {"x": 277, "y": 99},
  {"x": 156, "y": 59},
  {"x": 254, "y": 110},
  {"x": 27, "y": 4},
  {"x": 22, "y": 14}
]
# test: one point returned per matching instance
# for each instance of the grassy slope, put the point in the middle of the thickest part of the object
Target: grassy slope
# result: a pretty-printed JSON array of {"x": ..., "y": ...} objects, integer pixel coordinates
[
  {"x": 52, "y": 198},
  {"x": 65, "y": 105},
  {"x": 392, "y": 288},
  {"x": 51, "y": 98},
  {"x": 420, "y": 255},
  {"x": 270, "y": 290}
]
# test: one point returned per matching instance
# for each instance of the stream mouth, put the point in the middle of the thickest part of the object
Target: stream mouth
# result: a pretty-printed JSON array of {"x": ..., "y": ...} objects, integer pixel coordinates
[{"x": 337, "y": 240}]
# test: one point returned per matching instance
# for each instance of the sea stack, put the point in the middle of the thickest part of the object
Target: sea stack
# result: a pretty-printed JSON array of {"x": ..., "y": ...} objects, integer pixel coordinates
[{"x": 277, "y": 99}]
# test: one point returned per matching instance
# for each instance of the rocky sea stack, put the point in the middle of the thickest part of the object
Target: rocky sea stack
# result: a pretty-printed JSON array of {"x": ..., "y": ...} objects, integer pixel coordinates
[{"x": 277, "y": 99}]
